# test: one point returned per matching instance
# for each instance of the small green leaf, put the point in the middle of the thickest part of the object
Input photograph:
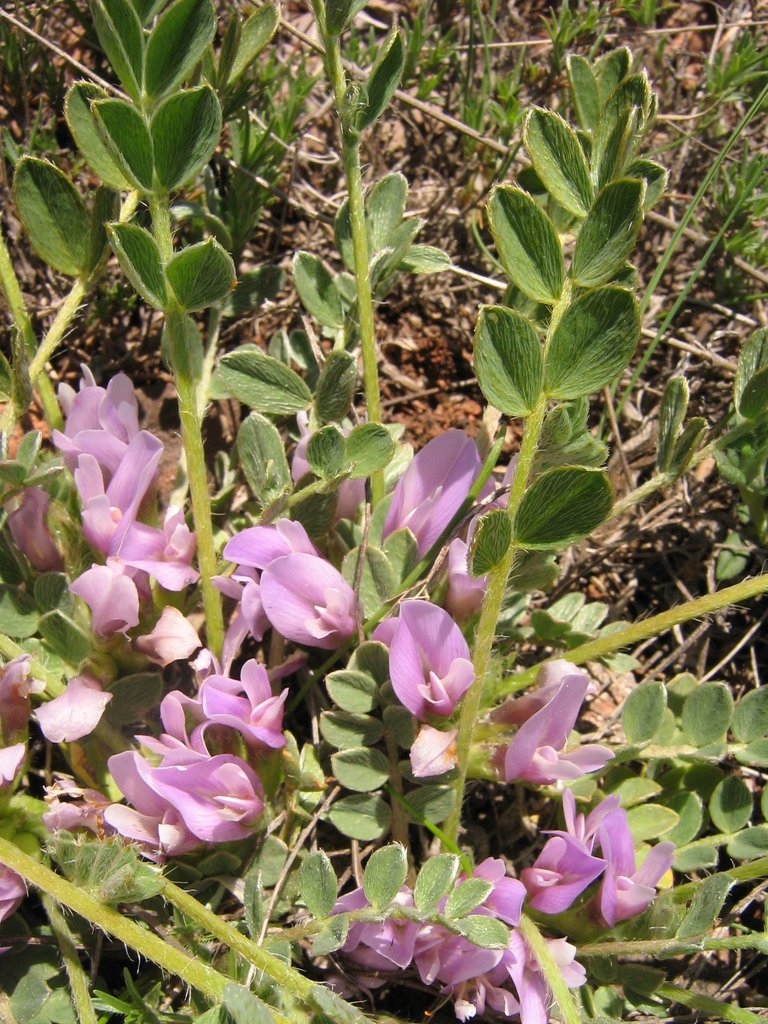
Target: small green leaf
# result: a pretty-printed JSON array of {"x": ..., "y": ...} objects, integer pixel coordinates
[
  {"x": 243, "y": 1007},
  {"x": 133, "y": 697},
  {"x": 467, "y": 895},
  {"x": 486, "y": 932},
  {"x": 337, "y": 14},
  {"x": 583, "y": 91},
  {"x": 707, "y": 713},
  {"x": 528, "y": 244},
  {"x": 425, "y": 259},
  {"x": 696, "y": 859},
  {"x": 751, "y": 384},
  {"x": 563, "y": 505},
  {"x": 19, "y": 617},
  {"x": 317, "y": 883},
  {"x": 690, "y": 809},
  {"x": 378, "y": 581},
  {"x": 85, "y": 131},
  {"x": 335, "y": 387},
  {"x": 430, "y": 803},
  {"x": 329, "y": 1003},
  {"x": 707, "y": 902},
  {"x": 649, "y": 821},
  {"x": 346, "y": 730},
  {"x": 593, "y": 342},
  {"x": 317, "y": 290},
  {"x": 730, "y": 806},
  {"x": 140, "y": 260},
  {"x": 687, "y": 445},
  {"x": 256, "y": 33},
  {"x": 434, "y": 880},
  {"x": 384, "y": 875},
  {"x": 609, "y": 233},
  {"x": 674, "y": 404},
  {"x": 383, "y": 79},
  {"x": 508, "y": 360},
  {"x": 53, "y": 215},
  {"x": 326, "y": 452},
  {"x": 749, "y": 844},
  {"x": 357, "y": 692},
  {"x": 177, "y": 43},
  {"x": 361, "y": 769},
  {"x": 105, "y": 207},
  {"x": 491, "y": 541},
  {"x": 643, "y": 712},
  {"x": 610, "y": 70},
  {"x": 127, "y": 139},
  {"x": 122, "y": 38},
  {"x": 361, "y": 816},
  {"x": 384, "y": 209},
  {"x": 733, "y": 557},
  {"x": 64, "y": 637},
  {"x": 370, "y": 447},
  {"x": 332, "y": 936},
  {"x": 185, "y": 132},
  {"x": 655, "y": 178},
  {"x": 51, "y": 591},
  {"x": 201, "y": 274},
  {"x": 258, "y": 380},
  {"x": 559, "y": 160},
  {"x": 750, "y": 719},
  {"x": 262, "y": 457}
]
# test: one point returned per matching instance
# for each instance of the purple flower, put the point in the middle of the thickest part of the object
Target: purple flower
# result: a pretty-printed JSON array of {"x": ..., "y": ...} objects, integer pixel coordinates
[
  {"x": 351, "y": 493},
  {"x": 164, "y": 554},
  {"x": 250, "y": 617},
  {"x": 465, "y": 593},
  {"x": 112, "y": 598},
  {"x": 174, "y": 638},
  {"x": 11, "y": 760},
  {"x": 381, "y": 946},
  {"x": 433, "y": 752},
  {"x": 71, "y": 807},
  {"x": 308, "y": 601},
  {"x": 15, "y": 689},
  {"x": 30, "y": 532},
  {"x": 561, "y": 872},
  {"x": 101, "y": 422},
  {"x": 532, "y": 990},
  {"x": 431, "y": 490},
  {"x": 535, "y": 753},
  {"x": 429, "y": 660},
  {"x": 627, "y": 890},
  {"x": 259, "y": 546},
  {"x": 12, "y": 891},
  {"x": 74, "y": 713}
]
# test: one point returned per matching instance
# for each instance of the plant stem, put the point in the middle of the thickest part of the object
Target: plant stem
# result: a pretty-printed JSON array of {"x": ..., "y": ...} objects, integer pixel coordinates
[
  {"x": 350, "y": 150},
  {"x": 551, "y": 971},
  {"x": 661, "y": 948},
  {"x": 78, "y": 980},
  {"x": 710, "y": 1007},
  {"x": 489, "y": 614},
  {"x": 655, "y": 625}
]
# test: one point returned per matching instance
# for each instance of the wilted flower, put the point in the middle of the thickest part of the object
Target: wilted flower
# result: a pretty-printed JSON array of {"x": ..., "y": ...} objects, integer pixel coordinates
[
  {"x": 433, "y": 752},
  {"x": 428, "y": 660},
  {"x": 112, "y": 598},
  {"x": 16, "y": 685},
  {"x": 308, "y": 601},
  {"x": 431, "y": 490},
  {"x": 30, "y": 532},
  {"x": 174, "y": 638},
  {"x": 74, "y": 713},
  {"x": 72, "y": 807}
]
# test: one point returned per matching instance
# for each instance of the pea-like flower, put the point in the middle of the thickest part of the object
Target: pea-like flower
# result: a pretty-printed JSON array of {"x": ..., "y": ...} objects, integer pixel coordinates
[{"x": 308, "y": 601}]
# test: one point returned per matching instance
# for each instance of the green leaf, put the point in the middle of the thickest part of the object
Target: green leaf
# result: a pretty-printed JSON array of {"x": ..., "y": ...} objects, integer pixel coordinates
[
  {"x": 332, "y": 936},
  {"x": 749, "y": 844},
  {"x": 346, "y": 730},
  {"x": 649, "y": 821},
  {"x": 690, "y": 810},
  {"x": 707, "y": 713},
  {"x": 426, "y": 259},
  {"x": 317, "y": 290},
  {"x": 687, "y": 445},
  {"x": 53, "y": 215},
  {"x": 256, "y": 33},
  {"x": 674, "y": 404},
  {"x": 707, "y": 902},
  {"x": 643, "y": 712},
  {"x": 262, "y": 457},
  {"x": 19, "y": 617},
  {"x": 610, "y": 70},
  {"x": 353, "y": 691},
  {"x": 559, "y": 160},
  {"x": 378, "y": 581},
  {"x": 563, "y": 505},
  {"x": 755, "y": 754},
  {"x": 730, "y": 806},
  {"x": 201, "y": 274},
  {"x": 106, "y": 869},
  {"x": 332, "y": 1006},
  {"x": 140, "y": 260},
  {"x": 335, "y": 387},
  {"x": 583, "y": 91},
  {"x": 105, "y": 207},
  {"x": 51, "y": 591},
  {"x": 185, "y": 132},
  {"x": 484, "y": 931},
  {"x": 383, "y": 79},
  {"x": 528, "y": 245},
  {"x": 467, "y": 896},
  {"x": 432, "y": 803},
  {"x": 317, "y": 883},
  {"x": 361, "y": 769},
  {"x": 491, "y": 541},
  {"x": 751, "y": 384},
  {"x": 253, "y": 288},
  {"x": 243, "y": 1007},
  {"x": 696, "y": 859},
  {"x": 434, "y": 880},
  {"x": 326, "y": 452},
  {"x": 508, "y": 360},
  {"x": 127, "y": 139},
  {"x": 384, "y": 209},
  {"x": 85, "y": 131},
  {"x": 655, "y": 178},
  {"x": 370, "y": 447},
  {"x": 609, "y": 233},
  {"x": 750, "y": 719},
  {"x": 361, "y": 816},
  {"x": 122, "y": 38},
  {"x": 65, "y": 638},
  {"x": 133, "y": 697},
  {"x": 384, "y": 875},
  {"x": 593, "y": 342},
  {"x": 177, "y": 43},
  {"x": 337, "y": 14},
  {"x": 258, "y": 380}
]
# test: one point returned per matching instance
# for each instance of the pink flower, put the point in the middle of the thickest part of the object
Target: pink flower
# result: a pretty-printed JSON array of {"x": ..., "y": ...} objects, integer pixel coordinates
[
  {"x": 11, "y": 760},
  {"x": 382, "y": 946},
  {"x": 30, "y": 532},
  {"x": 428, "y": 660},
  {"x": 465, "y": 593},
  {"x": 74, "y": 713},
  {"x": 308, "y": 601},
  {"x": 12, "y": 891},
  {"x": 351, "y": 493},
  {"x": 101, "y": 422},
  {"x": 112, "y": 598},
  {"x": 561, "y": 872},
  {"x": 71, "y": 807},
  {"x": 433, "y": 752},
  {"x": 627, "y": 890},
  {"x": 15, "y": 689},
  {"x": 174, "y": 638},
  {"x": 259, "y": 546}
]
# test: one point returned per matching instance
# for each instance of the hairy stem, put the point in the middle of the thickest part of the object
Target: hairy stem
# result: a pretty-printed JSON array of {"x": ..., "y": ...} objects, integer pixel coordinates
[
  {"x": 78, "y": 979},
  {"x": 563, "y": 996},
  {"x": 711, "y": 1007}
]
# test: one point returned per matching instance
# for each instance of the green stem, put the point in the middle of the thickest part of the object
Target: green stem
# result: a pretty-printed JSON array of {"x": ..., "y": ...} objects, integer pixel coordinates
[
  {"x": 654, "y": 626},
  {"x": 489, "y": 615},
  {"x": 710, "y": 1007},
  {"x": 78, "y": 979},
  {"x": 350, "y": 149},
  {"x": 551, "y": 971},
  {"x": 58, "y": 328},
  {"x": 662, "y": 948}
]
